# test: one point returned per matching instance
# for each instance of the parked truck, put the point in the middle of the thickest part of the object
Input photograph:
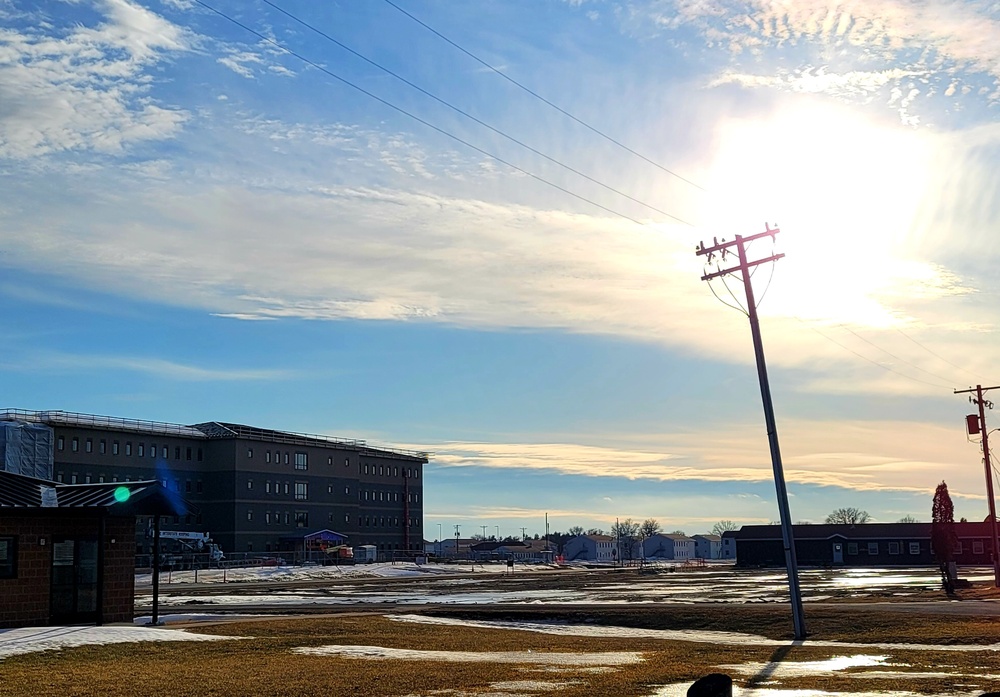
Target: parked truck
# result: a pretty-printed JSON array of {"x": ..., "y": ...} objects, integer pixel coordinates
[{"x": 365, "y": 554}]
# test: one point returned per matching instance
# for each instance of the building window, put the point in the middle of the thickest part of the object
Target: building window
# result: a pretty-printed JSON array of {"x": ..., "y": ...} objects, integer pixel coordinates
[
  {"x": 75, "y": 446},
  {"x": 61, "y": 443},
  {"x": 165, "y": 452},
  {"x": 88, "y": 447},
  {"x": 958, "y": 547},
  {"x": 187, "y": 453},
  {"x": 249, "y": 546},
  {"x": 87, "y": 479},
  {"x": 286, "y": 457},
  {"x": 114, "y": 447},
  {"x": 873, "y": 547},
  {"x": 366, "y": 496},
  {"x": 128, "y": 447},
  {"x": 100, "y": 479},
  {"x": 72, "y": 478},
  {"x": 201, "y": 455},
  {"x": 301, "y": 491},
  {"x": 347, "y": 518},
  {"x": 329, "y": 460},
  {"x": 177, "y": 452},
  {"x": 286, "y": 488},
  {"x": 914, "y": 548},
  {"x": 329, "y": 488},
  {"x": 187, "y": 486},
  {"x": 249, "y": 484},
  {"x": 347, "y": 462},
  {"x": 381, "y": 470},
  {"x": 277, "y": 457},
  {"x": 301, "y": 461},
  {"x": 267, "y": 518},
  {"x": 267, "y": 456},
  {"x": 395, "y": 471},
  {"x": 152, "y": 450},
  {"x": 301, "y": 519},
  {"x": 114, "y": 477},
  {"x": 249, "y": 514},
  {"x": 142, "y": 450},
  {"x": 977, "y": 546},
  {"x": 380, "y": 496},
  {"x": 347, "y": 490},
  {"x": 8, "y": 556},
  {"x": 249, "y": 453},
  {"x": 852, "y": 547},
  {"x": 267, "y": 486},
  {"x": 199, "y": 487},
  {"x": 366, "y": 469},
  {"x": 102, "y": 447},
  {"x": 286, "y": 517}
]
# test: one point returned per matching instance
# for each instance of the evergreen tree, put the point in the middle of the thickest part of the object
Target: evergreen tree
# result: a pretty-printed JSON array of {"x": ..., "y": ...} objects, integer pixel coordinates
[{"x": 943, "y": 536}]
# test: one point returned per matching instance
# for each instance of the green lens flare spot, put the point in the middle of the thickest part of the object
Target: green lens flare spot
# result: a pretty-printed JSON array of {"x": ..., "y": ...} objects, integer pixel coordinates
[{"x": 122, "y": 494}]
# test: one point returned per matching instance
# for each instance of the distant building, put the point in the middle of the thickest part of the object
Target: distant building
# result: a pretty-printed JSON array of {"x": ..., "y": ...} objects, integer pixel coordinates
[
  {"x": 599, "y": 548},
  {"x": 526, "y": 550},
  {"x": 455, "y": 547},
  {"x": 257, "y": 490},
  {"x": 668, "y": 546},
  {"x": 707, "y": 546},
  {"x": 865, "y": 544}
]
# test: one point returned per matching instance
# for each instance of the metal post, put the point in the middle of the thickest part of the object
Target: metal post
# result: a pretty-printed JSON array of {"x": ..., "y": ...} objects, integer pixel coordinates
[
  {"x": 156, "y": 570},
  {"x": 101, "y": 535}
]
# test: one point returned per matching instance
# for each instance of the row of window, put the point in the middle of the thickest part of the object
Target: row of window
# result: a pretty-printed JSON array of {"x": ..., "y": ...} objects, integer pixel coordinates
[
  {"x": 387, "y": 496},
  {"x": 300, "y": 519},
  {"x": 116, "y": 448},
  {"x": 88, "y": 478},
  {"x": 301, "y": 488},
  {"x": 387, "y": 471},
  {"x": 300, "y": 460},
  {"x": 873, "y": 548}
]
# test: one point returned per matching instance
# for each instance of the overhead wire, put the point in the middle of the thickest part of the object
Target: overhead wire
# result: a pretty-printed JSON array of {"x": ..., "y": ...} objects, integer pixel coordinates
[
  {"x": 936, "y": 355},
  {"x": 413, "y": 116},
  {"x": 889, "y": 353},
  {"x": 469, "y": 116},
  {"x": 869, "y": 360},
  {"x": 562, "y": 111}
]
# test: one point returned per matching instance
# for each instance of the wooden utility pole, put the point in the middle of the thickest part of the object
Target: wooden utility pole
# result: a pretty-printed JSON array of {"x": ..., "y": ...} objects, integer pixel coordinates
[
  {"x": 982, "y": 404},
  {"x": 722, "y": 250}
]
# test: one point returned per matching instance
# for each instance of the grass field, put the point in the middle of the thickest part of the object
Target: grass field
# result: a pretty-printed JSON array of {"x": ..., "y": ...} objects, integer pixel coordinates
[{"x": 268, "y": 661}]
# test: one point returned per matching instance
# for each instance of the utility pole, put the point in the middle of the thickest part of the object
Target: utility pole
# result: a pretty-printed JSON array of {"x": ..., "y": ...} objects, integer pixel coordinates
[
  {"x": 983, "y": 404},
  {"x": 498, "y": 532},
  {"x": 722, "y": 249},
  {"x": 484, "y": 530},
  {"x": 523, "y": 534},
  {"x": 457, "y": 528}
]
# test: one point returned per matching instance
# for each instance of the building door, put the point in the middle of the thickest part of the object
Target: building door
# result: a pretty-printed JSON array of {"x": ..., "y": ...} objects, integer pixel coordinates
[
  {"x": 838, "y": 552},
  {"x": 74, "y": 581}
]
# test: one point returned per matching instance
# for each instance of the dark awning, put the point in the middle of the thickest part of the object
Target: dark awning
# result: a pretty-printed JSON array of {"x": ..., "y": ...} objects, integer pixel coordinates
[{"x": 20, "y": 494}]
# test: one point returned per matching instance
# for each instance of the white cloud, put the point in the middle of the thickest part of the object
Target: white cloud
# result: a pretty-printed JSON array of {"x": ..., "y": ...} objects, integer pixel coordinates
[
  {"x": 88, "y": 89},
  {"x": 157, "y": 367},
  {"x": 855, "y": 455}
]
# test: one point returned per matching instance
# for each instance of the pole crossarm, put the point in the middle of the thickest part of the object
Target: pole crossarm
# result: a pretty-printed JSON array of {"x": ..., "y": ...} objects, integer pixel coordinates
[
  {"x": 719, "y": 246},
  {"x": 749, "y": 265},
  {"x": 984, "y": 404}
]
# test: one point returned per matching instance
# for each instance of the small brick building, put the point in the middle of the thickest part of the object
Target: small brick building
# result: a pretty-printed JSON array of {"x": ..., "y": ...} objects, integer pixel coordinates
[{"x": 67, "y": 551}]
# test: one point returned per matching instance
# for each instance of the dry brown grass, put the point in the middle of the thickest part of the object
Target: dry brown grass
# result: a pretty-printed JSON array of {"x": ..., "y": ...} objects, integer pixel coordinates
[{"x": 265, "y": 664}]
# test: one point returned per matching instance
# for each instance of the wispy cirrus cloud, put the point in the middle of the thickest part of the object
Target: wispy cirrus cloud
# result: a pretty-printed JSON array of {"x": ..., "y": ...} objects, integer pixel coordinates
[
  {"x": 862, "y": 456},
  {"x": 156, "y": 367},
  {"x": 89, "y": 88}
]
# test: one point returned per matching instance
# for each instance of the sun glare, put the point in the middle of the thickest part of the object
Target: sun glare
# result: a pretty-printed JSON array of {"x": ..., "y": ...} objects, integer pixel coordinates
[{"x": 845, "y": 193}]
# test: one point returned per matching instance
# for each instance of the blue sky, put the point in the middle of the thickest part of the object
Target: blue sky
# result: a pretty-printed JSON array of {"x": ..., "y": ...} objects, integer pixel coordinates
[{"x": 198, "y": 224}]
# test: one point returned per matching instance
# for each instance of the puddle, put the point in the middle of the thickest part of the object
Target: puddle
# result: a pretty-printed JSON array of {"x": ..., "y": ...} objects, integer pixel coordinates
[
  {"x": 607, "y": 658},
  {"x": 797, "y": 669}
]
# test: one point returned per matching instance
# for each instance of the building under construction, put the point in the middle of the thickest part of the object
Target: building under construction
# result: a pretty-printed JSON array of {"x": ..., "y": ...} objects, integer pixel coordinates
[{"x": 255, "y": 490}]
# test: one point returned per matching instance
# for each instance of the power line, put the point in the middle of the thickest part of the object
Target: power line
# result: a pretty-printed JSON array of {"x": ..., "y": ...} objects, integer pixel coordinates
[
  {"x": 965, "y": 370},
  {"x": 889, "y": 353},
  {"x": 543, "y": 99},
  {"x": 469, "y": 116},
  {"x": 865, "y": 358},
  {"x": 416, "y": 118}
]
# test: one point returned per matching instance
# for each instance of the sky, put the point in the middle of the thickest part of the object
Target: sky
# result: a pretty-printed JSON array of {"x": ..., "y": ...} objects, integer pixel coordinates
[{"x": 470, "y": 229}]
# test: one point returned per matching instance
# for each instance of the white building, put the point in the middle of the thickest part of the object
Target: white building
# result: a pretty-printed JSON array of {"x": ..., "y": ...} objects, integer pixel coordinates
[
  {"x": 728, "y": 545},
  {"x": 590, "y": 548},
  {"x": 707, "y": 546},
  {"x": 669, "y": 546}
]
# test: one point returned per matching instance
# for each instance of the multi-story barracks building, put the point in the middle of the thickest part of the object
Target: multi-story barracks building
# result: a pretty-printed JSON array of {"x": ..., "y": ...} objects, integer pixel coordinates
[{"x": 255, "y": 490}]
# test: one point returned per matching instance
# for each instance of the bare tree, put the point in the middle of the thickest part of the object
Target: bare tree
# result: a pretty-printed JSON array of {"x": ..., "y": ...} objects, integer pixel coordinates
[
  {"x": 848, "y": 516},
  {"x": 724, "y": 526},
  {"x": 625, "y": 532},
  {"x": 908, "y": 519},
  {"x": 575, "y": 530},
  {"x": 595, "y": 531},
  {"x": 649, "y": 527}
]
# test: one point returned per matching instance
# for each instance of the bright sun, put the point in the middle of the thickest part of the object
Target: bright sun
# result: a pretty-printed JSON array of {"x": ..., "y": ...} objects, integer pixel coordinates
[{"x": 845, "y": 192}]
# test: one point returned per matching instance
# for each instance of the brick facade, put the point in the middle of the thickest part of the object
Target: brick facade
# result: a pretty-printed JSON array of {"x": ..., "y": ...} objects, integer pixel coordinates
[{"x": 25, "y": 599}]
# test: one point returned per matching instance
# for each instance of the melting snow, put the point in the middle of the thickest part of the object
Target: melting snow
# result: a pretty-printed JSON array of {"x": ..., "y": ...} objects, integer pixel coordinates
[
  {"x": 31, "y": 639},
  {"x": 607, "y": 658}
]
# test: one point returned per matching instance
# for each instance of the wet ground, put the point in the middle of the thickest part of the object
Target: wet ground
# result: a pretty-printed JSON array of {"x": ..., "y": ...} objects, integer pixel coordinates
[{"x": 719, "y": 584}]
